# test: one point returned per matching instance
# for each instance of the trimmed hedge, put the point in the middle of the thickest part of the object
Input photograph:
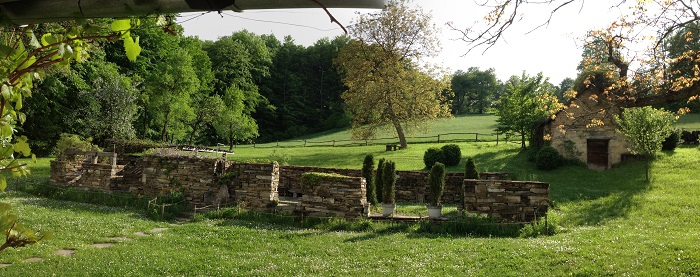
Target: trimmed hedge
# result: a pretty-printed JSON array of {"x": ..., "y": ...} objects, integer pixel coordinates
[
  {"x": 547, "y": 158},
  {"x": 432, "y": 156},
  {"x": 452, "y": 154}
]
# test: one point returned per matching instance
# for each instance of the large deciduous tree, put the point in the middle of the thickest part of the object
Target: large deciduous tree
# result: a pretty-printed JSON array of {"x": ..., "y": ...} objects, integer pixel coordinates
[
  {"x": 387, "y": 84},
  {"x": 474, "y": 90},
  {"x": 645, "y": 128},
  {"x": 527, "y": 102},
  {"x": 632, "y": 50}
]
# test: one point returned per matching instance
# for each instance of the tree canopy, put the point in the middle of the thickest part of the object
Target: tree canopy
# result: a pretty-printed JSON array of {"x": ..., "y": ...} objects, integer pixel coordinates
[
  {"x": 387, "y": 84},
  {"x": 527, "y": 102}
]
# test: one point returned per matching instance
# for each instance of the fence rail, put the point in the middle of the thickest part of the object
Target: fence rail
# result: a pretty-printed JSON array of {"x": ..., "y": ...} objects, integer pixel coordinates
[{"x": 439, "y": 138}]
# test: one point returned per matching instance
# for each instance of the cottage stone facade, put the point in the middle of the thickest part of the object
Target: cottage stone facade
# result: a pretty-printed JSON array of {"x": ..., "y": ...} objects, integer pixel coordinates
[{"x": 585, "y": 131}]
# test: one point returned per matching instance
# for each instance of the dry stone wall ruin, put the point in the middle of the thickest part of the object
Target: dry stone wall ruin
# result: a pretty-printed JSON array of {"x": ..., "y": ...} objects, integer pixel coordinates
[{"x": 209, "y": 181}]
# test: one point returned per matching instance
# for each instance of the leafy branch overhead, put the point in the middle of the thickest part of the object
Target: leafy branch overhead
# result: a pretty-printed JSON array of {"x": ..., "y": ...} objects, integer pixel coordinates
[{"x": 27, "y": 52}]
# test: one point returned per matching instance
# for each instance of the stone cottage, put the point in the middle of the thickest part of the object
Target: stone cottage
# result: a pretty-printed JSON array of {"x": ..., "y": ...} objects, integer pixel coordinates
[{"x": 585, "y": 131}]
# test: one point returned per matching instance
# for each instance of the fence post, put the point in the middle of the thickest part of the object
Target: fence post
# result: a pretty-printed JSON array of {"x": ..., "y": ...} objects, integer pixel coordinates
[
  {"x": 333, "y": 143},
  {"x": 438, "y": 139},
  {"x": 477, "y": 137},
  {"x": 278, "y": 143},
  {"x": 253, "y": 144},
  {"x": 304, "y": 143}
]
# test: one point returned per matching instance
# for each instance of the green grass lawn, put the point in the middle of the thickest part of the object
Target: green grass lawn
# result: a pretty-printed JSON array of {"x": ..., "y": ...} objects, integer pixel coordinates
[{"x": 613, "y": 223}]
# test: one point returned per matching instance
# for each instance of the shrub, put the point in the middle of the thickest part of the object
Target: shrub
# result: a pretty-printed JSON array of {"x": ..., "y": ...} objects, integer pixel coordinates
[
  {"x": 436, "y": 183},
  {"x": 547, "y": 158},
  {"x": 389, "y": 182},
  {"x": 71, "y": 141},
  {"x": 470, "y": 171},
  {"x": 433, "y": 155},
  {"x": 378, "y": 181},
  {"x": 671, "y": 141},
  {"x": 367, "y": 167},
  {"x": 452, "y": 154},
  {"x": 690, "y": 137}
]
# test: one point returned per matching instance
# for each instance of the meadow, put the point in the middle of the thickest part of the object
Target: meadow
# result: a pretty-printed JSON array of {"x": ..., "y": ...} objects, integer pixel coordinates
[{"x": 609, "y": 223}]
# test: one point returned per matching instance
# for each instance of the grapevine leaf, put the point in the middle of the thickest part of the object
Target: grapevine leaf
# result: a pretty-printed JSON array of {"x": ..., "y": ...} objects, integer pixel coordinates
[
  {"x": 132, "y": 48},
  {"x": 33, "y": 42},
  {"x": 121, "y": 25}
]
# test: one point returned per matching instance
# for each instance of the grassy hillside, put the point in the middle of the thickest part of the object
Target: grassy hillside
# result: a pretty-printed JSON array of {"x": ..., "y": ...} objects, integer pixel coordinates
[{"x": 489, "y": 155}]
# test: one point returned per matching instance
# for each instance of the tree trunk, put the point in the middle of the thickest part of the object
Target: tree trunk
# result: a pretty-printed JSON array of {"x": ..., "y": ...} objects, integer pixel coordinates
[
  {"x": 230, "y": 136},
  {"x": 647, "y": 167},
  {"x": 399, "y": 132},
  {"x": 165, "y": 127},
  {"x": 522, "y": 140}
]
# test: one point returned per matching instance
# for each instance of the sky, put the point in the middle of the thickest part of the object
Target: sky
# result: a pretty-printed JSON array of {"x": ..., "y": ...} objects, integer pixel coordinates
[{"x": 554, "y": 50}]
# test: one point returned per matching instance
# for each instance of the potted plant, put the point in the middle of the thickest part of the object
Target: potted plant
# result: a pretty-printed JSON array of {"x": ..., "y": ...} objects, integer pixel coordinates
[
  {"x": 367, "y": 173},
  {"x": 389, "y": 188},
  {"x": 436, "y": 182}
]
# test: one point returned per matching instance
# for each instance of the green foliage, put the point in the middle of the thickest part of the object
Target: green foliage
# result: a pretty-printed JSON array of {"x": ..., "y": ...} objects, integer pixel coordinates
[
  {"x": 432, "y": 156},
  {"x": 689, "y": 137},
  {"x": 474, "y": 90},
  {"x": 379, "y": 180},
  {"x": 670, "y": 143},
  {"x": 387, "y": 86},
  {"x": 367, "y": 168},
  {"x": 389, "y": 183},
  {"x": 645, "y": 128},
  {"x": 227, "y": 177},
  {"x": 548, "y": 158},
  {"x": 470, "y": 171},
  {"x": 16, "y": 235},
  {"x": 312, "y": 179},
  {"x": 71, "y": 141},
  {"x": 528, "y": 102},
  {"x": 436, "y": 183},
  {"x": 453, "y": 154},
  {"x": 544, "y": 226}
]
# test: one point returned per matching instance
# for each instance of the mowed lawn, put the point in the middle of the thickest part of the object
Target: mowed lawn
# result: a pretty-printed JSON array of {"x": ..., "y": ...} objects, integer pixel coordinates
[{"x": 611, "y": 223}]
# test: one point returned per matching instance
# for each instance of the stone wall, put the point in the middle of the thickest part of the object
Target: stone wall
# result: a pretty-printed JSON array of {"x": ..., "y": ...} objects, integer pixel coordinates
[
  {"x": 515, "y": 201},
  {"x": 193, "y": 176},
  {"x": 411, "y": 186},
  {"x": 89, "y": 170},
  {"x": 255, "y": 185},
  {"x": 334, "y": 194}
]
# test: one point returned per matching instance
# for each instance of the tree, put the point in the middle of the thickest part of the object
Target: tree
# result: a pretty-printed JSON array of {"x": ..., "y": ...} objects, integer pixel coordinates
[
  {"x": 653, "y": 79},
  {"x": 114, "y": 98},
  {"x": 645, "y": 128},
  {"x": 381, "y": 68},
  {"x": 529, "y": 101},
  {"x": 474, "y": 90}
]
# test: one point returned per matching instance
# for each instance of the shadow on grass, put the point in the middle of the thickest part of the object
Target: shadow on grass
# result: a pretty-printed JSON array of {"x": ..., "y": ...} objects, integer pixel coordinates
[{"x": 586, "y": 196}]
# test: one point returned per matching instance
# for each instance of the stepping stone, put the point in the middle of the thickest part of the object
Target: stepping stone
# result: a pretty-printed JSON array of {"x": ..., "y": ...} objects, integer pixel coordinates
[
  {"x": 141, "y": 234},
  {"x": 121, "y": 239},
  {"x": 65, "y": 252},
  {"x": 4, "y": 265},
  {"x": 33, "y": 259},
  {"x": 157, "y": 230},
  {"x": 102, "y": 245}
]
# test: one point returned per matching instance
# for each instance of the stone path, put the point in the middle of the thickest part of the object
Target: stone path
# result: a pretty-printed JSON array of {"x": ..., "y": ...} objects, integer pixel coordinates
[{"x": 112, "y": 241}]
